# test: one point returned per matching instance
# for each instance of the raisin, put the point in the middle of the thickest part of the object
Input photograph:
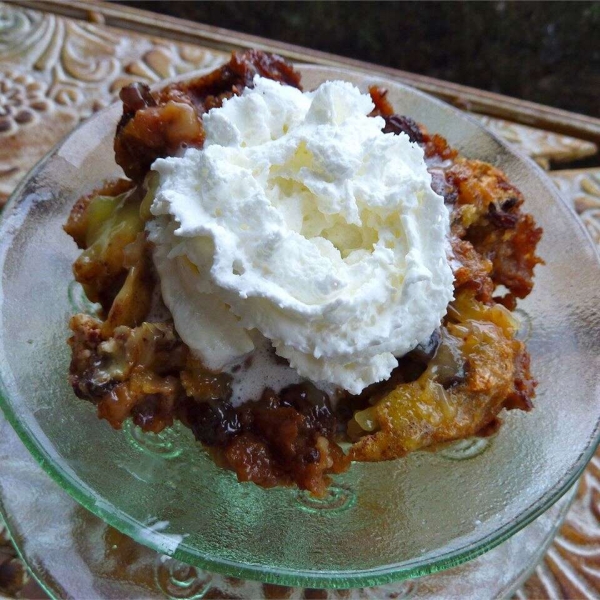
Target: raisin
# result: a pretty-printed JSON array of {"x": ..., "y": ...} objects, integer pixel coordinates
[
  {"x": 425, "y": 351},
  {"x": 136, "y": 96},
  {"x": 509, "y": 204},
  {"x": 398, "y": 124},
  {"x": 144, "y": 413},
  {"x": 213, "y": 425},
  {"x": 500, "y": 218},
  {"x": 310, "y": 402}
]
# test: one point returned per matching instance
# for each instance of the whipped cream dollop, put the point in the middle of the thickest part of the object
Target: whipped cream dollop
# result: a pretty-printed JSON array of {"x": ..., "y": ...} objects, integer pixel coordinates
[{"x": 301, "y": 219}]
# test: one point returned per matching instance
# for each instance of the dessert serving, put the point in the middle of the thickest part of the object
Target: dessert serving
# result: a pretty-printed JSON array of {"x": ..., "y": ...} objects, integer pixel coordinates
[{"x": 304, "y": 279}]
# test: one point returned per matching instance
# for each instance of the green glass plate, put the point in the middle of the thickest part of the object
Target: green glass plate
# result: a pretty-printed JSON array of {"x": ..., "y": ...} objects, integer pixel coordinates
[
  {"x": 382, "y": 522},
  {"x": 96, "y": 562}
]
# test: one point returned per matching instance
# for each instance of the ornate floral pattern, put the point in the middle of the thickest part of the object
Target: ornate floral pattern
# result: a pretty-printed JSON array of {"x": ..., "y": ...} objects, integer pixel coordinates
[
  {"x": 542, "y": 146},
  {"x": 62, "y": 71},
  {"x": 57, "y": 71},
  {"x": 570, "y": 568},
  {"x": 13, "y": 574},
  {"x": 581, "y": 187},
  {"x": 22, "y": 100}
]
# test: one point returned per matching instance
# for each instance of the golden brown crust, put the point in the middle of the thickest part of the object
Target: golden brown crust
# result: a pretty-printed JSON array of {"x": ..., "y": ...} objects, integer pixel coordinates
[
  {"x": 471, "y": 270},
  {"x": 130, "y": 373},
  {"x": 511, "y": 251},
  {"x": 147, "y": 374},
  {"x": 432, "y": 410},
  {"x": 488, "y": 214}
]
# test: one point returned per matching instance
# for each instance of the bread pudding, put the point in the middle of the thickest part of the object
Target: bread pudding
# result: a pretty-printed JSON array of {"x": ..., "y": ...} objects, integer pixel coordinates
[{"x": 302, "y": 279}]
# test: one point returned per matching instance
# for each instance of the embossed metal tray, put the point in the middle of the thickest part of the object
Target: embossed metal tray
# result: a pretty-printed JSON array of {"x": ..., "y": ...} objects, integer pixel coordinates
[
  {"x": 384, "y": 521},
  {"x": 70, "y": 59}
]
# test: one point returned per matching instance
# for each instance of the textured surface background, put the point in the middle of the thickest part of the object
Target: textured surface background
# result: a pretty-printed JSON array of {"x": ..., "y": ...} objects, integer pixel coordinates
[{"x": 56, "y": 70}]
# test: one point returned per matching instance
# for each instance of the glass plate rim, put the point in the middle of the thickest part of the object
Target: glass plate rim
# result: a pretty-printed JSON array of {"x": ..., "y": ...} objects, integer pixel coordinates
[
  {"x": 316, "y": 579},
  {"x": 44, "y": 584}
]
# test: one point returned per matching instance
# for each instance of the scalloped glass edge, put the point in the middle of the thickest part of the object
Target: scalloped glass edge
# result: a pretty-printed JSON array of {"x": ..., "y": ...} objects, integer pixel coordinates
[
  {"x": 507, "y": 592},
  {"x": 323, "y": 579}
]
